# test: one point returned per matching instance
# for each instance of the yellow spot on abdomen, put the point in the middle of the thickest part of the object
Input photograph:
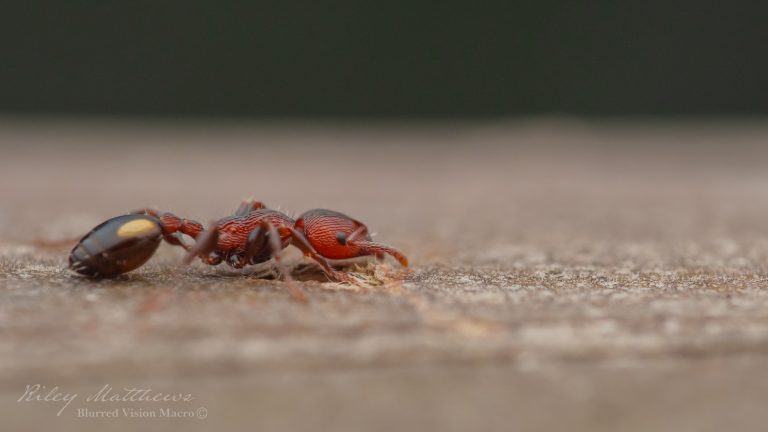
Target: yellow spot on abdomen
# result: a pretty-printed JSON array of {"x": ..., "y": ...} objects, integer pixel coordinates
[{"x": 135, "y": 227}]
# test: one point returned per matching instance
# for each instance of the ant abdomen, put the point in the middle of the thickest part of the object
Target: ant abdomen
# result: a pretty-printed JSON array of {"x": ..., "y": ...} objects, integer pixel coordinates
[{"x": 117, "y": 246}]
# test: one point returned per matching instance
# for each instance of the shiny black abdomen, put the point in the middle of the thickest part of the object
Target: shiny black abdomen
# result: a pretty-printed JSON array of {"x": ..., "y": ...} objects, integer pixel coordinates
[{"x": 117, "y": 246}]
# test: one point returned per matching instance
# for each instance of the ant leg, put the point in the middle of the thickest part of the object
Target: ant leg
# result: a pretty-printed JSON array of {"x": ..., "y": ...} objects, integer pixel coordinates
[
  {"x": 213, "y": 258},
  {"x": 254, "y": 246},
  {"x": 247, "y": 206},
  {"x": 176, "y": 240},
  {"x": 303, "y": 244},
  {"x": 206, "y": 243},
  {"x": 273, "y": 238},
  {"x": 368, "y": 247},
  {"x": 255, "y": 243}
]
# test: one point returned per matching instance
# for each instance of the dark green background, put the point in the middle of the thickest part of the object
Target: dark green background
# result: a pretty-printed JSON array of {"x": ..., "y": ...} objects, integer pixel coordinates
[{"x": 389, "y": 59}]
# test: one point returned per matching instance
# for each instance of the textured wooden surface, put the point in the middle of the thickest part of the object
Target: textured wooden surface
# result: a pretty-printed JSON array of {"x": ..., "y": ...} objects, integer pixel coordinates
[{"x": 594, "y": 277}]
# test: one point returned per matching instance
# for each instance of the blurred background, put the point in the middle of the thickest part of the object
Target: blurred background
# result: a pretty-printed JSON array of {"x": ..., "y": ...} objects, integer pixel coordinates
[
  {"x": 580, "y": 187},
  {"x": 370, "y": 59}
]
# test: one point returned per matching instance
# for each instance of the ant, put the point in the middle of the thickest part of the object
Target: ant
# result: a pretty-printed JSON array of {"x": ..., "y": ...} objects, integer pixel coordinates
[{"x": 253, "y": 234}]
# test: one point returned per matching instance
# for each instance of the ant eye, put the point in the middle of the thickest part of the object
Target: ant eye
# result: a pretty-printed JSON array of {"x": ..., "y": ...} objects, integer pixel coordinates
[{"x": 341, "y": 238}]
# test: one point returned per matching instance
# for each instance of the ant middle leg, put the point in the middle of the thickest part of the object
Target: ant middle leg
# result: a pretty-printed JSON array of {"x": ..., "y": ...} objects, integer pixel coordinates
[
  {"x": 256, "y": 249},
  {"x": 262, "y": 243},
  {"x": 266, "y": 237}
]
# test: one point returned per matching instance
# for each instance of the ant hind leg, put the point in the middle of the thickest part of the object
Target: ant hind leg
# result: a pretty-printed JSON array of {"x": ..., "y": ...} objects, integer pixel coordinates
[{"x": 206, "y": 243}]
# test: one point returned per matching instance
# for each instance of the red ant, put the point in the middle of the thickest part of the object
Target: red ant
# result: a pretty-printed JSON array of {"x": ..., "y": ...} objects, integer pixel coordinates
[{"x": 253, "y": 234}]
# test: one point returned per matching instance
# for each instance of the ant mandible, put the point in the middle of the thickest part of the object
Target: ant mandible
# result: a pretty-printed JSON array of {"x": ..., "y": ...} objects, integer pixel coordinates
[{"x": 253, "y": 234}]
